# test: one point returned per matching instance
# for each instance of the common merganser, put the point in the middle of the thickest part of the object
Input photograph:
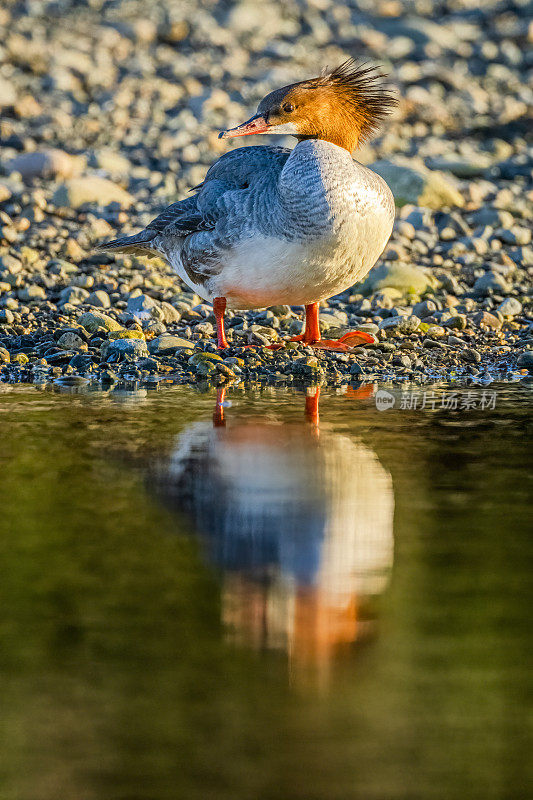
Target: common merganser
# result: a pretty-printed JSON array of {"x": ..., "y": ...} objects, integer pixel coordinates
[{"x": 271, "y": 226}]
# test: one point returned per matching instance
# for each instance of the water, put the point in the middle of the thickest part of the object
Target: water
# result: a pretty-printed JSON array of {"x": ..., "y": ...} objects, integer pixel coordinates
[{"x": 246, "y": 601}]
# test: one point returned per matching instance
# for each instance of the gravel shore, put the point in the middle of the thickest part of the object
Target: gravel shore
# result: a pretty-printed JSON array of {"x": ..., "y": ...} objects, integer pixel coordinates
[{"x": 109, "y": 111}]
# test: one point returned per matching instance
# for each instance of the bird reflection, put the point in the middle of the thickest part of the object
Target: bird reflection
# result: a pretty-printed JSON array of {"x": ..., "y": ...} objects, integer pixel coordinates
[{"x": 299, "y": 520}]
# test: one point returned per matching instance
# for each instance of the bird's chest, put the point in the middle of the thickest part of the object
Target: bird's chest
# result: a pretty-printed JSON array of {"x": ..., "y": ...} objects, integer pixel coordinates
[
  {"x": 346, "y": 227},
  {"x": 338, "y": 205}
]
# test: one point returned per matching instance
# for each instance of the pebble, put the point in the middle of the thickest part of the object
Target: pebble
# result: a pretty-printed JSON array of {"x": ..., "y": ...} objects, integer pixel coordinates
[
  {"x": 92, "y": 321},
  {"x": 401, "y": 276},
  {"x": 424, "y": 309},
  {"x": 422, "y": 187},
  {"x": 169, "y": 344},
  {"x": 6, "y": 316},
  {"x": 46, "y": 164},
  {"x": 100, "y": 299},
  {"x": 470, "y": 355},
  {"x": 457, "y": 321},
  {"x": 74, "y": 295},
  {"x": 134, "y": 347},
  {"x": 32, "y": 292},
  {"x": 484, "y": 319},
  {"x": 8, "y": 95},
  {"x": 90, "y": 189},
  {"x": 126, "y": 334},
  {"x": 144, "y": 307},
  {"x": 70, "y": 341},
  {"x": 455, "y": 341},
  {"x": 510, "y": 307},
  {"x": 436, "y": 330}
]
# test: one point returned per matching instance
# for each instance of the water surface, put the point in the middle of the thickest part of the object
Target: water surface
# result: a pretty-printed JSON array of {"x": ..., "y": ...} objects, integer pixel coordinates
[{"x": 251, "y": 601}]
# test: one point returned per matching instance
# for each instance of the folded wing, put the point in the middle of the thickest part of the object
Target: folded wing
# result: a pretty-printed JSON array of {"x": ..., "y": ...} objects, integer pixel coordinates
[{"x": 223, "y": 204}]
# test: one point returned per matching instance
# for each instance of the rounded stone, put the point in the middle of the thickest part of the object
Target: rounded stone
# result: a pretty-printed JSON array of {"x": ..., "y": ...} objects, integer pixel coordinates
[
  {"x": 134, "y": 347},
  {"x": 70, "y": 341},
  {"x": 100, "y": 299},
  {"x": 92, "y": 321},
  {"x": 510, "y": 307}
]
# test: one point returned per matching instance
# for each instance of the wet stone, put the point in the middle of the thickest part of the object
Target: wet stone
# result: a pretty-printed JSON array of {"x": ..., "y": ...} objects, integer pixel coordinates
[
  {"x": 19, "y": 358},
  {"x": 107, "y": 376},
  {"x": 81, "y": 362},
  {"x": 72, "y": 380},
  {"x": 202, "y": 357},
  {"x": 470, "y": 355}
]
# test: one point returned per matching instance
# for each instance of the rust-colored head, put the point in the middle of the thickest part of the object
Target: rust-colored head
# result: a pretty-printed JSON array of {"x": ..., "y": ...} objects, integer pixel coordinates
[{"x": 343, "y": 106}]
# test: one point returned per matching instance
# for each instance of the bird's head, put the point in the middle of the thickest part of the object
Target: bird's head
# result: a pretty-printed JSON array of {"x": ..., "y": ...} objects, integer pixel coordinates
[{"x": 343, "y": 106}]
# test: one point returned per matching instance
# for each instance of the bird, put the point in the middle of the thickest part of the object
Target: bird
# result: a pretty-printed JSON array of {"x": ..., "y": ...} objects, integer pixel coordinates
[{"x": 276, "y": 226}]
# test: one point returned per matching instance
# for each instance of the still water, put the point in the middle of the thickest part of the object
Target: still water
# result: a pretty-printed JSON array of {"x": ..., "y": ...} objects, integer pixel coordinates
[{"x": 277, "y": 596}]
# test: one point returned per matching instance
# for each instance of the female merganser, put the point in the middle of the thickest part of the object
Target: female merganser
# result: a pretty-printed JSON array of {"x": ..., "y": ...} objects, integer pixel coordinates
[{"x": 271, "y": 226}]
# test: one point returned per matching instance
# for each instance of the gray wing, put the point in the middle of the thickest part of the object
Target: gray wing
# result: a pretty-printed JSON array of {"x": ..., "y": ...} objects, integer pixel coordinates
[{"x": 234, "y": 196}]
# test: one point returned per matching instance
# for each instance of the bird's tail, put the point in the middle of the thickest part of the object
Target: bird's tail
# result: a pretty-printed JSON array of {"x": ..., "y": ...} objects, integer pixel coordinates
[{"x": 141, "y": 244}]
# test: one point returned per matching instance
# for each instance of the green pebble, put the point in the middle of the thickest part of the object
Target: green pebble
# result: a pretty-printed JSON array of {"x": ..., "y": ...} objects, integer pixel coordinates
[
  {"x": 199, "y": 358},
  {"x": 206, "y": 368},
  {"x": 130, "y": 334}
]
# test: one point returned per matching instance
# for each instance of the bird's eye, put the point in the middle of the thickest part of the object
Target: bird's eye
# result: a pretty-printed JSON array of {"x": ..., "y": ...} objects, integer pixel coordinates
[{"x": 288, "y": 107}]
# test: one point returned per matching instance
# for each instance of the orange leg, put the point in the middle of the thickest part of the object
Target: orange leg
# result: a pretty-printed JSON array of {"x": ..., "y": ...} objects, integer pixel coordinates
[
  {"x": 311, "y": 334},
  {"x": 219, "y": 307}
]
